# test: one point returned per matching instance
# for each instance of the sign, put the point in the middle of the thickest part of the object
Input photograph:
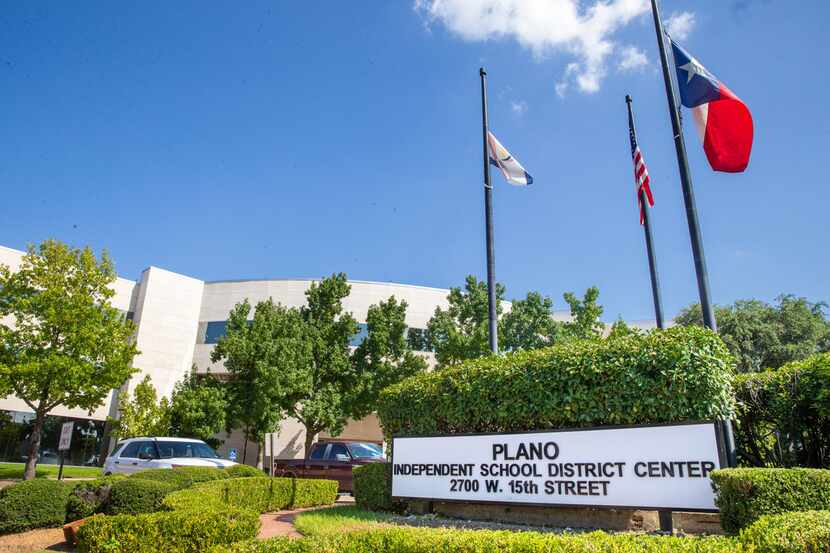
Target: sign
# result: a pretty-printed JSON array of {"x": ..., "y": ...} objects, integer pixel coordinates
[
  {"x": 646, "y": 467},
  {"x": 66, "y": 436},
  {"x": 232, "y": 454}
]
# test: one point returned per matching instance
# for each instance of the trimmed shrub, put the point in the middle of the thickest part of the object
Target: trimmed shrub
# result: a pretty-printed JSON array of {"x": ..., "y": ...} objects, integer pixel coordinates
[
  {"x": 135, "y": 496},
  {"x": 808, "y": 531},
  {"x": 90, "y": 497},
  {"x": 372, "y": 488},
  {"x": 243, "y": 471},
  {"x": 679, "y": 374},
  {"x": 745, "y": 495},
  {"x": 176, "y": 532},
  {"x": 428, "y": 540},
  {"x": 784, "y": 415},
  {"x": 33, "y": 504},
  {"x": 183, "y": 477},
  {"x": 258, "y": 494}
]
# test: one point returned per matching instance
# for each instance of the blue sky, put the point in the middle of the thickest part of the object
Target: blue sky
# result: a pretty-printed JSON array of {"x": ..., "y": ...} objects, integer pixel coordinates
[{"x": 275, "y": 139}]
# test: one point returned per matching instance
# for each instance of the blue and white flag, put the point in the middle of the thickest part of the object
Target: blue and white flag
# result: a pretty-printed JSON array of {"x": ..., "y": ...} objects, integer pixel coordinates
[{"x": 510, "y": 168}]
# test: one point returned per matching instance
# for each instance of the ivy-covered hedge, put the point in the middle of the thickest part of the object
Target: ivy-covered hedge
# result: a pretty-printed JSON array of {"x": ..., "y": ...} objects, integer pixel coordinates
[
  {"x": 789, "y": 533},
  {"x": 745, "y": 495},
  {"x": 258, "y": 494},
  {"x": 33, "y": 504},
  {"x": 427, "y": 540},
  {"x": 680, "y": 374},
  {"x": 190, "y": 531},
  {"x": 135, "y": 496},
  {"x": 784, "y": 415},
  {"x": 371, "y": 484}
]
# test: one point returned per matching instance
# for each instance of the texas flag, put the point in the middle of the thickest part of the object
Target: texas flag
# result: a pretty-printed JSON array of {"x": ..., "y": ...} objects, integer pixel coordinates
[{"x": 723, "y": 121}]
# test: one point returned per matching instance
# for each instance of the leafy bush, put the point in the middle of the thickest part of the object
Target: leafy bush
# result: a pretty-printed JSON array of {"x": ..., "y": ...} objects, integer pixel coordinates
[
  {"x": 372, "y": 489},
  {"x": 428, "y": 540},
  {"x": 90, "y": 497},
  {"x": 679, "y": 374},
  {"x": 134, "y": 496},
  {"x": 745, "y": 495},
  {"x": 258, "y": 494},
  {"x": 33, "y": 504},
  {"x": 789, "y": 533},
  {"x": 183, "y": 477},
  {"x": 243, "y": 471},
  {"x": 177, "y": 532},
  {"x": 784, "y": 415}
]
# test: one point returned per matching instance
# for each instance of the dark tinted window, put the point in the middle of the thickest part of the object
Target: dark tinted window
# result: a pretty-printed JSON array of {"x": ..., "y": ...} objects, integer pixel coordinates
[
  {"x": 168, "y": 450},
  {"x": 366, "y": 450},
  {"x": 131, "y": 450},
  {"x": 214, "y": 331},
  {"x": 362, "y": 332},
  {"x": 317, "y": 452},
  {"x": 337, "y": 449},
  {"x": 147, "y": 450}
]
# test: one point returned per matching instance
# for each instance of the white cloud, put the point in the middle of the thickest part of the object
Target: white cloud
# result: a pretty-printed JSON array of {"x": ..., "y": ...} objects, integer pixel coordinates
[
  {"x": 519, "y": 108},
  {"x": 544, "y": 27},
  {"x": 680, "y": 25},
  {"x": 632, "y": 59}
]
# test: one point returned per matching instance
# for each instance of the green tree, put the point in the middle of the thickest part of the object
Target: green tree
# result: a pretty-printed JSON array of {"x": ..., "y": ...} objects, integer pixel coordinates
[
  {"x": 461, "y": 331},
  {"x": 762, "y": 336},
  {"x": 323, "y": 403},
  {"x": 198, "y": 408},
  {"x": 267, "y": 360},
  {"x": 530, "y": 324},
  {"x": 621, "y": 330},
  {"x": 62, "y": 343},
  {"x": 384, "y": 356},
  {"x": 585, "y": 314},
  {"x": 143, "y": 415}
]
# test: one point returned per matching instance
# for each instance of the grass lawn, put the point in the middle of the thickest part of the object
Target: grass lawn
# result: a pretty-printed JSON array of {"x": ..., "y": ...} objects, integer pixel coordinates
[
  {"x": 13, "y": 471},
  {"x": 335, "y": 521}
]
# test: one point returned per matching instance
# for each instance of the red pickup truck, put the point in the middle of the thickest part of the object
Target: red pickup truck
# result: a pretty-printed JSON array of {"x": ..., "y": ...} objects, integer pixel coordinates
[{"x": 331, "y": 460}]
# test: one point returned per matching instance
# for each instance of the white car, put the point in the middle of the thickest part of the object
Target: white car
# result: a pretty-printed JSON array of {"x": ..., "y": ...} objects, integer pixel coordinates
[{"x": 137, "y": 454}]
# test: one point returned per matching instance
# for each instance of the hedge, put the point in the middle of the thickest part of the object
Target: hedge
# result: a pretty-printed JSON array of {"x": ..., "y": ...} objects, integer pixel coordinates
[
  {"x": 428, "y": 540},
  {"x": 372, "y": 488},
  {"x": 189, "y": 531},
  {"x": 243, "y": 471},
  {"x": 183, "y": 477},
  {"x": 134, "y": 496},
  {"x": 784, "y": 415},
  {"x": 90, "y": 497},
  {"x": 212, "y": 512},
  {"x": 36, "y": 503},
  {"x": 257, "y": 494},
  {"x": 679, "y": 374},
  {"x": 745, "y": 495},
  {"x": 807, "y": 531}
]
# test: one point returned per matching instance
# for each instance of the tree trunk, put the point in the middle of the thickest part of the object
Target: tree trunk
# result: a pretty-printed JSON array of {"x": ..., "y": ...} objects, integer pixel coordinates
[
  {"x": 34, "y": 445},
  {"x": 309, "y": 440},
  {"x": 260, "y": 458}
]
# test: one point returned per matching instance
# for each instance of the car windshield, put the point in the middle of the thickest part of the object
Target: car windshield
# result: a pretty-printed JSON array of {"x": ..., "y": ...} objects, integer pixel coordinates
[
  {"x": 169, "y": 450},
  {"x": 366, "y": 450}
]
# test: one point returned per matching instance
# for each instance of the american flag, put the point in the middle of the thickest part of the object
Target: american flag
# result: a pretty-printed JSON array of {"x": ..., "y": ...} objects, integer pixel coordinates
[{"x": 641, "y": 179}]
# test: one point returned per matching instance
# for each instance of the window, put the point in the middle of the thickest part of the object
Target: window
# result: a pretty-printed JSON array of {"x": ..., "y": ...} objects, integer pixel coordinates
[
  {"x": 318, "y": 451},
  {"x": 199, "y": 450},
  {"x": 362, "y": 332},
  {"x": 337, "y": 449},
  {"x": 215, "y": 330},
  {"x": 131, "y": 451},
  {"x": 417, "y": 339},
  {"x": 147, "y": 450},
  {"x": 372, "y": 451}
]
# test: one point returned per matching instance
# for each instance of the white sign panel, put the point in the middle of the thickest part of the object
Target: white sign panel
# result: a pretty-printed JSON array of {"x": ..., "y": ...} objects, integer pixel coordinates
[
  {"x": 658, "y": 467},
  {"x": 66, "y": 436}
]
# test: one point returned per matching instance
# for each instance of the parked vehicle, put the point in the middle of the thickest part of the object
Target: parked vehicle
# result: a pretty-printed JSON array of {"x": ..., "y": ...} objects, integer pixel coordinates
[
  {"x": 331, "y": 460},
  {"x": 136, "y": 454}
]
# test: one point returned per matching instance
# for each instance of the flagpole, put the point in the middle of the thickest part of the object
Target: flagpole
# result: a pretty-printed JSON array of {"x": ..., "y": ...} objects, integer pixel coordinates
[
  {"x": 488, "y": 216},
  {"x": 652, "y": 260},
  {"x": 685, "y": 180},
  {"x": 691, "y": 209}
]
